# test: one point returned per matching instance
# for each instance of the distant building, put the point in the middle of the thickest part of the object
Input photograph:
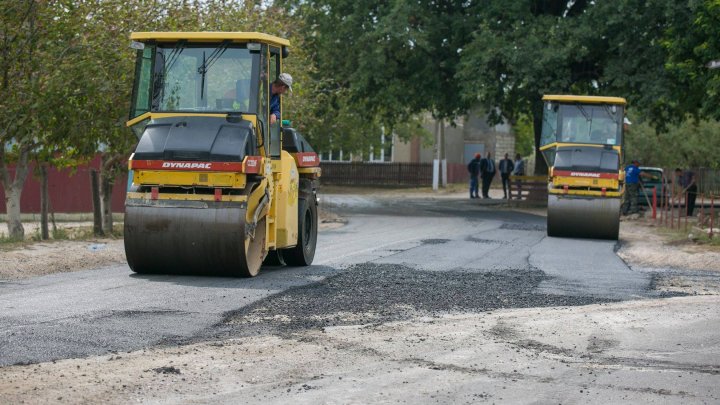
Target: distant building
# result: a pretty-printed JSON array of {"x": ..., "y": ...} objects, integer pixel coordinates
[{"x": 470, "y": 135}]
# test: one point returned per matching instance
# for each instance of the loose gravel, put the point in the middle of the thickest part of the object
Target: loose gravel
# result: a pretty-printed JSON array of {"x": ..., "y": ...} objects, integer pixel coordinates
[{"x": 377, "y": 293}]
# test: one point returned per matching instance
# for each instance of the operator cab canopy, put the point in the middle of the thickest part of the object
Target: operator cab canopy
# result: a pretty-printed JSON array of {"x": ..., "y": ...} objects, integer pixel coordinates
[
  {"x": 587, "y": 127},
  {"x": 582, "y": 119},
  {"x": 204, "y": 72}
]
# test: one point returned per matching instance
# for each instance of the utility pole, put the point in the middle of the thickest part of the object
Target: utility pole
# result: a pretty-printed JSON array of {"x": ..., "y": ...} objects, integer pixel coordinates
[
  {"x": 443, "y": 158},
  {"x": 436, "y": 159}
]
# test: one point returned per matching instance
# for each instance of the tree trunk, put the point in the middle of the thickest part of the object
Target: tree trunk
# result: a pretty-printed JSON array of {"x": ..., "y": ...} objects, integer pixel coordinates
[
  {"x": 12, "y": 207},
  {"x": 13, "y": 190},
  {"x": 106, "y": 187},
  {"x": 109, "y": 168},
  {"x": 97, "y": 210},
  {"x": 44, "y": 199}
]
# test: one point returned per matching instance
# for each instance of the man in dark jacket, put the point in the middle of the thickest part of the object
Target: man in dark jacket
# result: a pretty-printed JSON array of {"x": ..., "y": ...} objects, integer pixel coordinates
[
  {"x": 474, "y": 170},
  {"x": 689, "y": 189},
  {"x": 506, "y": 168},
  {"x": 487, "y": 172}
]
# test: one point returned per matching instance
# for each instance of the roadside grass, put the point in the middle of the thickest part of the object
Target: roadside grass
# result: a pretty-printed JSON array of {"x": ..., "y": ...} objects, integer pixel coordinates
[
  {"x": 692, "y": 235},
  {"x": 8, "y": 243},
  {"x": 60, "y": 232}
]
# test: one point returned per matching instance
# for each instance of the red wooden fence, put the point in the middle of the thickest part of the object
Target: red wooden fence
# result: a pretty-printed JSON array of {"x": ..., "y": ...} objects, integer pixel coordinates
[{"x": 69, "y": 191}]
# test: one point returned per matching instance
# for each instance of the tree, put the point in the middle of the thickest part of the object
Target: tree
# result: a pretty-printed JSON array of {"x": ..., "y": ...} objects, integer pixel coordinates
[
  {"x": 381, "y": 64},
  {"x": 692, "y": 42},
  {"x": 22, "y": 62},
  {"x": 692, "y": 143},
  {"x": 523, "y": 50}
]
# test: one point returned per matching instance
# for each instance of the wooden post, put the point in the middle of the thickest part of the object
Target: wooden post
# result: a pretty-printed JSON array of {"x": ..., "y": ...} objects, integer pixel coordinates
[
  {"x": 701, "y": 215},
  {"x": 654, "y": 204},
  {"x": 686, "y": 211},
  {"x": 712, "y": 214},
  {"x": 44, "y": 196}
]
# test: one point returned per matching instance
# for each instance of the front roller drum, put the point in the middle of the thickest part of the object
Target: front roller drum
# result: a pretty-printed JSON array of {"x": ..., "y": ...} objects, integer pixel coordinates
[
  {"x": 189, "y": 240},
  {"x": 583, "y": 217}
]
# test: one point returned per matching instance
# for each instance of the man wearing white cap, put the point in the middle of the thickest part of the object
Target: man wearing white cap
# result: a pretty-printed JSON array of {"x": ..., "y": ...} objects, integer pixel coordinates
[{"x": 279, "y": 87}]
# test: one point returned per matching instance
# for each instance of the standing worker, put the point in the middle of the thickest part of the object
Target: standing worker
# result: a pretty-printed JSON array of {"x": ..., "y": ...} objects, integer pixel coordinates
[
  {"x": 487, "y": 172},
  {"x": 687, "y": 182},
  {"x": 506, "y": 168},
  {"x": 474, "y": 170},
  {"x": 632, "y": 185},
  {"x": 519, "y": 171}
]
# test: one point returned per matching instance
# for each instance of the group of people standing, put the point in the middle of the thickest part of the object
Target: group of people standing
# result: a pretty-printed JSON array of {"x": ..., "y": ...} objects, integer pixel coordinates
[{"x": 483, "y": 168}]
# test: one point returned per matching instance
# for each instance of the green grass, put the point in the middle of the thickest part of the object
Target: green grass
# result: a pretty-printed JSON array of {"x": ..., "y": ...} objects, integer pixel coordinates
[
  {"x": 60, "y": 233},
  {"x": 7, "y": 241},
  {"x": 681, "y": 235},
  {"x": 702, "y": 237}
]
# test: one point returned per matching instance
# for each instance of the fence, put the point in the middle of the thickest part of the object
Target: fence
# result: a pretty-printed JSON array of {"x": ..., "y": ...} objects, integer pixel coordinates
[
  {"x": 387, "y": 174},
  {"x": 674, "y": 209},
  {"x": 529, "y": 188},
  {"x": 708, "y": 181},
  {"x": 671, "y": 208},
  {"x": 69, "y": 190}
]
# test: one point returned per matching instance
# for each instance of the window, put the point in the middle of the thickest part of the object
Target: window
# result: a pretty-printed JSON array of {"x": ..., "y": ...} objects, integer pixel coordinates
[
  {"x": 582, "y": 123},
  {"x": 141, "y": 87},
  {"x": 197, "y": 77}
]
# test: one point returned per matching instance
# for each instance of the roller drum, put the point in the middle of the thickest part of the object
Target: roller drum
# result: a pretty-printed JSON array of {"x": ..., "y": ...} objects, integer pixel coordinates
[
  {"x": 205, "y": 239},
  {"x": 583, "y": 217}
]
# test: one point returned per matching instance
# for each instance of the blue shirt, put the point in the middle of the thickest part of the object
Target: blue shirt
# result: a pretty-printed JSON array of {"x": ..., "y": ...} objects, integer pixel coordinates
[
  {"x": 632, "y": 174},
  {"x": 275, "y": 105}
]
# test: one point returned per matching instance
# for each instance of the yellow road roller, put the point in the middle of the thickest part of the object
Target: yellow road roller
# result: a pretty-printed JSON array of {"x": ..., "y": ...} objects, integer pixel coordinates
[
  {"x": 216, "y": 187},
  {"x": 582, "y": 143}
]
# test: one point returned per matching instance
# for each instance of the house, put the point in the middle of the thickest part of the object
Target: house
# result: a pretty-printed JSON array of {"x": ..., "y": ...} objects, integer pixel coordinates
[{"x": 469, "y": 135}]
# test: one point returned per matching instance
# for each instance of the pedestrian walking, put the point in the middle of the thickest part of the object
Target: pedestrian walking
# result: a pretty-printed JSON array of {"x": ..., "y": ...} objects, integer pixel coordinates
[
  {"x": 506, "y": 167},
  {"x": 474, "y": 170},
  {"x": 487, "y": 172}
]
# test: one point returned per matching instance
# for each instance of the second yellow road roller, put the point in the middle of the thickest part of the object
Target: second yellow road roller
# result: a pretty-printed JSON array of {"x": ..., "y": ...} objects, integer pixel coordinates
[
  {"x": 582, "y": 143},
  {"x": 217, "y": 184}
]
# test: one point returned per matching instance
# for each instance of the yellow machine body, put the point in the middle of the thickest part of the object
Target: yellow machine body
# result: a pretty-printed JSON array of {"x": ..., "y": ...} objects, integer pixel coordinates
[
  {"x": 215, "y": 189},
  {"x": 582, "y": 144}
]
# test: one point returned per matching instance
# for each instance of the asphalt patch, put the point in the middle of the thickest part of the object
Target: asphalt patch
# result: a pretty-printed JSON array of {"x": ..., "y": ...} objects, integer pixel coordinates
[
  {"x": 523, "y": 227},
  {"x": 377, "y": 293},
  {"x": 166, "y": 370},
  {"x": 485, "y": 241},
  {"x": 434, "y": 241}
]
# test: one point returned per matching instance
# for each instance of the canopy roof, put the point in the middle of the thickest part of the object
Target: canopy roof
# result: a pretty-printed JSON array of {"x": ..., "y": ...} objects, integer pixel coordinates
[
  {"x": 208, "y": 37},
  {"x": 585, "y": 99}
]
